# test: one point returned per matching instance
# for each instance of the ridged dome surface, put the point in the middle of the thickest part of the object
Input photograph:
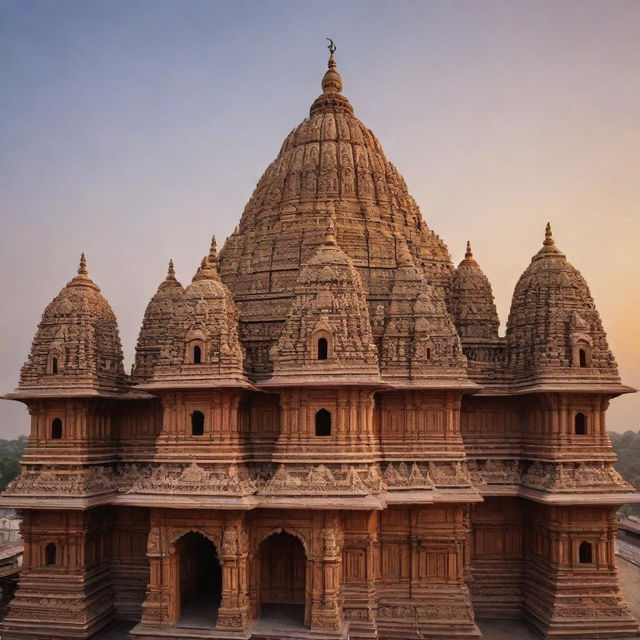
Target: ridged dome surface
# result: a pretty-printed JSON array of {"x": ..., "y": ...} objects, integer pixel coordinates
[
  {"x": 329, "y": 165},
  {"x": 328, "y": 303},
  {"x": 419, "y": 342},
  {"x": 552, "y": 317},
  {"x": 155, "y": 325},
  {"x": 204, "y": 318},
  {"x": 471, "y": 301},
  {"x": 77, "y": 347}
]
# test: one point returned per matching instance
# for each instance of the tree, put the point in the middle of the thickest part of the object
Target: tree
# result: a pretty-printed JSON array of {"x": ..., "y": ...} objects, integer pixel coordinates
[
  {"x": 627, "y": 447},
  {"x": 10, "y": 453}
]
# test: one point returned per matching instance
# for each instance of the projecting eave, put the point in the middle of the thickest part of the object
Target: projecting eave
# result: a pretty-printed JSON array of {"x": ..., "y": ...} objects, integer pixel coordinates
[
  {"x": 324, "y": 381},
  {"x": 552, "y": 386},
  {"x": 67, "y": 392},
  {"x": 209, "y": 383},
  {"x": 605, "y": 498},
  {"x": 461, "y": 384}
]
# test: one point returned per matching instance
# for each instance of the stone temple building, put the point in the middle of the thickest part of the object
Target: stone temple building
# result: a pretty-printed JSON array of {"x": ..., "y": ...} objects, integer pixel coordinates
[{"x": 323, "y": 435}]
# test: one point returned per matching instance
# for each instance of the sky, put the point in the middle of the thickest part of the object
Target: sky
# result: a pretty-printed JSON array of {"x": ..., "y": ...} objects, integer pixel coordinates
[{"x": 134, "y": 130}]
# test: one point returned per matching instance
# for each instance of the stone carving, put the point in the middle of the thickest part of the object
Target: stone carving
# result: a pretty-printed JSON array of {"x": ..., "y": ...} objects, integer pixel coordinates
[
  {"x": 62, "y": 481},
  {"x": 329, "y": 303},
  {"x": 494, "y": 471},
  {"x": 550, "y": 297},
  {"x": 470, "y": 301},
  {"x": 403, "y": 476},
  {"x": 583, "y": 477},
  {"x": 190, "y": 479},
  {"x": 77, "y": 345},
  {"x": 202, "y": 317},
  {"x": 323, "y": 480}
]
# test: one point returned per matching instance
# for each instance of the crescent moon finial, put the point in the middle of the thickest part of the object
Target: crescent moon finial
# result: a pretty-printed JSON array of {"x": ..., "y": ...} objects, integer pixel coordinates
[{"x": 331, "y": 46}]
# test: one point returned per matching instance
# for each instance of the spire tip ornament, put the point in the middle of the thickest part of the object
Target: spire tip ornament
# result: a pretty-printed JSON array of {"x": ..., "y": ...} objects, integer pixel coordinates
[
  {"x": 82, "y": 269},
  {"x": 468, "y": 253},
  {"x": 548, "y": 236},
  {"x": 331, "y": 82}
]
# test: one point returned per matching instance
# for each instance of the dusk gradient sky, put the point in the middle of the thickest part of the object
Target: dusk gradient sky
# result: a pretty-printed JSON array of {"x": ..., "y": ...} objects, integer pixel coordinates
[{"x": 133, "y": 130}]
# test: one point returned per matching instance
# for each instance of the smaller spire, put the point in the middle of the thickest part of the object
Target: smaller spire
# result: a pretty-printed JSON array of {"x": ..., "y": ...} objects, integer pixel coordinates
[
  {"x": 468, "y": 253},
  {"x": 213, "y": 251},
  {"x": 330, "y": 233},
  {"x": 403, "y": 255},
  {"x": 171, "y": 274},
  {"x": 548, "y": 237},
  {"x": 82, "y": 269},
  {"x": 82, "y": 279}
]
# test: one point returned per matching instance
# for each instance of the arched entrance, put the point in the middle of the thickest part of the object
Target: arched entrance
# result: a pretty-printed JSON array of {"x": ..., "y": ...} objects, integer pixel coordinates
[
  {"x": 282, "y": 579},
  {"x": 200, "y": 581}
]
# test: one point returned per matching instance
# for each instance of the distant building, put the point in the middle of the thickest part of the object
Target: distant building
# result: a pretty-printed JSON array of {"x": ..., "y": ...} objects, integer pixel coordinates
[
  {"x": 323, "y": 431},
  {"x": 11, "y": 550}
]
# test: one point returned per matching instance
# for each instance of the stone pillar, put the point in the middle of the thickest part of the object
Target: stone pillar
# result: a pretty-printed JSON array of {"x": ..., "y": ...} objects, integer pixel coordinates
[
  {"x": 234, "y": 612},
  {"x": 326, "y": 604},
  {"x": 161, "y": 605}
]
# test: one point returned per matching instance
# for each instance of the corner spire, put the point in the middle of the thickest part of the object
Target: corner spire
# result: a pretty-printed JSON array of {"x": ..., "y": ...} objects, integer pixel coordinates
[
  {"x": 213, "y": 250},
  {"x": 331, "y": 81},
  {"x": 171, "y": 274},
  {"x": 468, "y": 253}
]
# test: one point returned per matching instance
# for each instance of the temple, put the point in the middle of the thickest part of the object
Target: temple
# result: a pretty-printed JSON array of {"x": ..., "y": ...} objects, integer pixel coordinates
[{"x": 323, "y": 429}]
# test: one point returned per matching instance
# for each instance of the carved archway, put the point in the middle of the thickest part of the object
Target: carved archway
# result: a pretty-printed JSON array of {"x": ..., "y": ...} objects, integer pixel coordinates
[
  {"x": 281, "y": 577},
  {"x": 175, "y": 535},
  {"x": 263, "y": 534},
  {"x": 199, "y": 578}
]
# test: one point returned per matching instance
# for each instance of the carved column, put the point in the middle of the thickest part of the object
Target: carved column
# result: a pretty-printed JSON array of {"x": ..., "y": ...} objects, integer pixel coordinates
[
  {"x": 326, "y": 603},
  {"x": 234, "y": 612},
  {"x": 161, "y": 605}
]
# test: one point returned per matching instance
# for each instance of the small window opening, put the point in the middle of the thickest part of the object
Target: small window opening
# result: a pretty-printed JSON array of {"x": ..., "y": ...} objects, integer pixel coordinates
[
  {"x": 580, "y": 424},
  {"x": 197, "y": 355},
  {"x": 56, "y": 429},
  {"x": 54, "y": 365},
  {"x": 50, "y": 553},
  {"x": 323, "y": 349},
  {"x": 323, "y": 423},
  {"x": 585, "y": 553},
  {"x": 428, "y": 353},
  {"x": 582, "y": 356},
  {"x": 197, "y": 423}
]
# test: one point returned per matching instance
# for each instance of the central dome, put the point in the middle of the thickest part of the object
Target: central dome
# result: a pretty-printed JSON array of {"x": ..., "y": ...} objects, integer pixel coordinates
[{"x": 329, "y": 166}]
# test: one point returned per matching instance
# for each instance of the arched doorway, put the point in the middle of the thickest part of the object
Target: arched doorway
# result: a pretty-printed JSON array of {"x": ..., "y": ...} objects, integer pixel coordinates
[
  {"x": 282, "y": 579},
  {"x": 200, "y": 581}
]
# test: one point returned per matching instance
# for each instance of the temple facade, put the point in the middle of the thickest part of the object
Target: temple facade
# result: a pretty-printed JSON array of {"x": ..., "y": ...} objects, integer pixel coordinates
[{"x": 323, "y": 434}]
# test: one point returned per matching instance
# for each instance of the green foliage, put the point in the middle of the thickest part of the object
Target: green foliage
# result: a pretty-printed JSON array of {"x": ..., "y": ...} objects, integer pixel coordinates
[
  {"x": 10, "y": 453},
  {"x": 627, "y": 448}
]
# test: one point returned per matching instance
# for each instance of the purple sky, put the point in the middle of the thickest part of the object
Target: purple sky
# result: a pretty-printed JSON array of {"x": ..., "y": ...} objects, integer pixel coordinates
[{"x": 134, "y": 130}]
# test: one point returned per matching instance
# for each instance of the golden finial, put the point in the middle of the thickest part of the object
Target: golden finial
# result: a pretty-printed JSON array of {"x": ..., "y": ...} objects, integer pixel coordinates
[
  {"x": 82, "y": 269},
  {"x": 331, "y": 82},
  {"x": 171, "y": 274},
  {"x": 548, "y": 237},
  {"x": 468, "y": 253}
]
